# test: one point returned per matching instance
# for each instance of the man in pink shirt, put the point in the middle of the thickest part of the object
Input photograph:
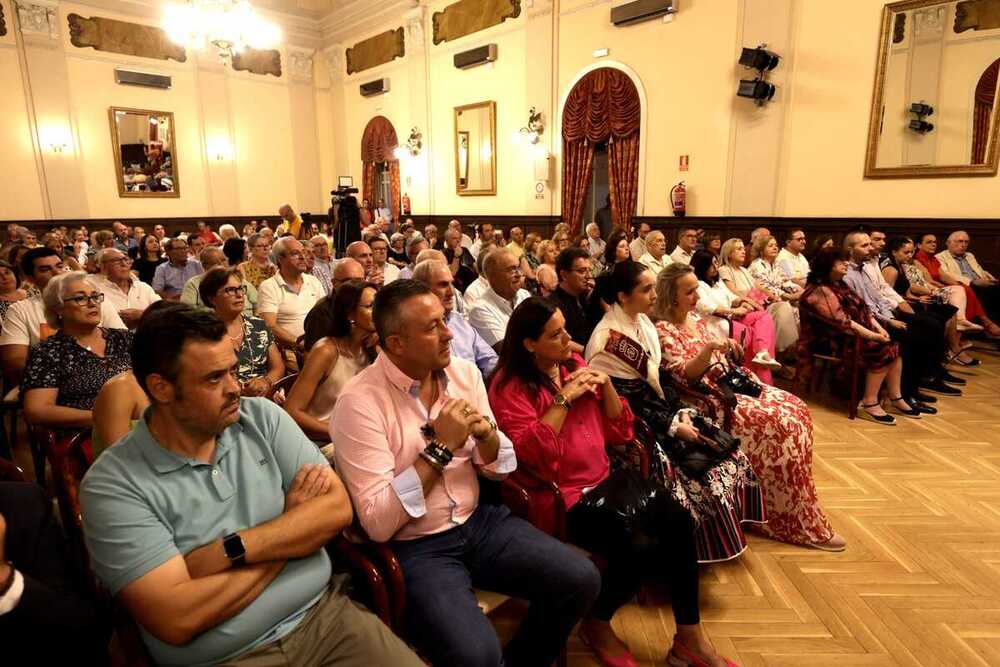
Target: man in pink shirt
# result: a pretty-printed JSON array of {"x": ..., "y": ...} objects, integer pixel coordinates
[{"x": 411, "y": 432}]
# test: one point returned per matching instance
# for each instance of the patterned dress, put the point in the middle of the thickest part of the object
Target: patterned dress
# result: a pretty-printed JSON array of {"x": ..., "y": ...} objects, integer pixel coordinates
[
  {"x": 78, "y": 374},
  {"x": 776, "y": 433},
  {"x": 255, "y": 274},
  {"x": 251, "y": 358}
]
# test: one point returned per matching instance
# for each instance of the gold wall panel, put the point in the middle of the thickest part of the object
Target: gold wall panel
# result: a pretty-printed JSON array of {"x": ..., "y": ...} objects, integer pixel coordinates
[
  {"x": 468, "y": 16},
  {"x": 977, "y": 15},
  {"x": 258, "y": 61},
  {"x": 376, "y": 51},
  {"x": 130, "y": 39},
  {"x": 3, "y": 23}
]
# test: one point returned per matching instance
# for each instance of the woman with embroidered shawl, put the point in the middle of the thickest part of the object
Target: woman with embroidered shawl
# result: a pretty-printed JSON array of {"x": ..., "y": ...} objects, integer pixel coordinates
[{"x": 625, "y": 345}]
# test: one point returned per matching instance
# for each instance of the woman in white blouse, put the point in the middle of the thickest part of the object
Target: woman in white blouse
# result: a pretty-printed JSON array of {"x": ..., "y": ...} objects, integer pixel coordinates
[
  {"x": 733, "y": 316},
  {"x": 740, "y": 281}
]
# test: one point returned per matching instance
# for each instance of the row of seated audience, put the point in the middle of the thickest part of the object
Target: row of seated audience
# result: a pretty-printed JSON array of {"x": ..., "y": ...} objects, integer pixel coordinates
[{"x": 412, "y": 387}]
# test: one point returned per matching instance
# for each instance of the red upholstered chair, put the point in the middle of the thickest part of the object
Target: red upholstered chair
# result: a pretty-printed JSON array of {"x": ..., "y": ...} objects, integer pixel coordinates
[{"x": 279, "y": 392}]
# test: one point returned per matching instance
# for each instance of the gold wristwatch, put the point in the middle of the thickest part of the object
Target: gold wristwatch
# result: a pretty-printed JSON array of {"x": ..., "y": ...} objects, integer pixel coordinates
[{"x": 561, "y": 401}]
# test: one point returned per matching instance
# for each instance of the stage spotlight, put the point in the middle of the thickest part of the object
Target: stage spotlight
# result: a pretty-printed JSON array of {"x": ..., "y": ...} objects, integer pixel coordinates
[
  {"x": 759, "y": 59},
  {"x": 921, "y": 126},
  {"x": 921, "y": 109}
]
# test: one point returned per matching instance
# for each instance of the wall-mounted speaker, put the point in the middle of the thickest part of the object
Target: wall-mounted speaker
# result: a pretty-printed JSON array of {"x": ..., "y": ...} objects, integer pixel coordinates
[
  {"x": 376, "y": 87},
  {"x": 129, "y": 78},
  {"x": 475, "y": 57}
]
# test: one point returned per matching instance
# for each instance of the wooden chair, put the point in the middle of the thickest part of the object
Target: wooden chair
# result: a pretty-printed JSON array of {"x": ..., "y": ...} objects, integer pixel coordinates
[
  {"x": 69, "y": 459},
  {"x": 843, "y": 351},
  {"x": 10, "y": 472},
  {"x": 40, "y": 440},
  {"x": 10, "y": 406},
  {"x": 279, "y": 392}
]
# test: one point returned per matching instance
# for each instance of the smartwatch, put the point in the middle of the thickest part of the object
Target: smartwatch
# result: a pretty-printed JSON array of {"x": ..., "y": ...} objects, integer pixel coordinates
[{"x": 232, "y": 544}]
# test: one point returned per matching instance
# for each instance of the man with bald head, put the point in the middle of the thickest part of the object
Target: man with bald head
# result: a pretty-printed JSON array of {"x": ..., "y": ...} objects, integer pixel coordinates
[
  {"x": 347, "y": 269},
  {"x": 466, "y": 240},
  {"x": 466, "y": 343},
  {"x": 459, "y": 259},
  {"x": 491, "y": 312},
  {"x": 959, "y": 262},
  {"x": 291, "y": 223},
  {"x": 362, "y": 253},
  {"x": 287, "y": 297},
  {"x": 322, "y": 268},
  {"x": 516, "y": 244}
]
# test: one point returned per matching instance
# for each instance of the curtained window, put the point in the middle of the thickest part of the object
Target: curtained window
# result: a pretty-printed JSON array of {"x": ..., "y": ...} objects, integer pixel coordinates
[
  {"x": 603, "y": 106},
  {"x": 986, "y": 91},
  {"x": 377, "y": 144}
]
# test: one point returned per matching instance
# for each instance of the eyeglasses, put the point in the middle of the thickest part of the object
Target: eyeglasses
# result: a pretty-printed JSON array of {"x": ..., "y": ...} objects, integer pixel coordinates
[
  {"x": 85, "y": 299},
  {"x": 118, "y": 260},
  {"x": 582, "y": 271},
  {"x": 239, "y": 290}
]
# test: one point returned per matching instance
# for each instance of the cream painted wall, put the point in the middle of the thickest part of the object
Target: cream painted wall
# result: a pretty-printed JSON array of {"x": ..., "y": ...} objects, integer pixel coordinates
[
  {"x": 822, "y": 172},
  {"x": 245, "y": 143}
]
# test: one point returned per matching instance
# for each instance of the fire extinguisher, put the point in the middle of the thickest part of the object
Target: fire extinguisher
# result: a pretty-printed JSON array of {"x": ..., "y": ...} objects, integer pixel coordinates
[
  {"x": 678, "y": 199},
  {"x": 406, "y": 204}
]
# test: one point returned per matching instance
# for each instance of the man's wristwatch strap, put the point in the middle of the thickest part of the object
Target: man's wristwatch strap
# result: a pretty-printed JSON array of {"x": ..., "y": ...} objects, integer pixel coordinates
[{"x": 235, "y": 550}]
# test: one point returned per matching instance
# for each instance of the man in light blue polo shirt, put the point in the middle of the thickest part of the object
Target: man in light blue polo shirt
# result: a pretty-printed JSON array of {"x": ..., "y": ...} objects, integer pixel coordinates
[
  {"x": 171, "y": 276},
  {"x": 208, "y": 520}
]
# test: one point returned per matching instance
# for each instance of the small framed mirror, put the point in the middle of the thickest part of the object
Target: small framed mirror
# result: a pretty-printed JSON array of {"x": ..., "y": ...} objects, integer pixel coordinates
[
  {"x": 145, "y": 151},
  {"x": 475, "y": 149},
  {"x": 934, "y": 106}
]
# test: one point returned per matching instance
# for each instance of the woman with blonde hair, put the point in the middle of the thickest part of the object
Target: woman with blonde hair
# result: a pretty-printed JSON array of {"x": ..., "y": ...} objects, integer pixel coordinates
[
  {"x": 774, "y": 427},
  {"x": 740, "y": 281}
]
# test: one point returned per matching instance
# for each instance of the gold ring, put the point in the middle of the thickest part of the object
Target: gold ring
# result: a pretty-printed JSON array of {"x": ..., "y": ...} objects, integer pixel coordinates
[{"x": 466, "y": 412}]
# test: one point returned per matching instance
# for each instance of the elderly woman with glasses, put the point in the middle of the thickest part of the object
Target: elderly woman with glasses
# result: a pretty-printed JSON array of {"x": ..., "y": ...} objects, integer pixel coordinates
[
  {"x": 259, "y": 363},
  {"x": 259, "y": 267},
  {"x": 64, "y": 373}
]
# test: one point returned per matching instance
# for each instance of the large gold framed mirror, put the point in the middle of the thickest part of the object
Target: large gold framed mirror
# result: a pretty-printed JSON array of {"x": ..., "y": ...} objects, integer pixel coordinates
[
  {"x": 145, "y": 148},
  {"x": 934, "y": 105},
  {"x": 476, "y": 149}
]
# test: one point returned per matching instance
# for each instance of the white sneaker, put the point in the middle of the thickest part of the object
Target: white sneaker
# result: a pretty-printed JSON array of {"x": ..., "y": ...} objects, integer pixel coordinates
[{"x": 764, "y": 359}]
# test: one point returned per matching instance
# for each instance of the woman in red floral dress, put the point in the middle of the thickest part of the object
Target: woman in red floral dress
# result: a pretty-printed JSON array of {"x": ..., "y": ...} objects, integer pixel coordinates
[{"x": 775, "y": 428}]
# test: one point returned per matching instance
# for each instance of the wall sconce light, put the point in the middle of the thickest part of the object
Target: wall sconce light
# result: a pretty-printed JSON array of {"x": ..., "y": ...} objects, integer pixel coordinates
[
  {"x": 762, "y": 60},
  {"x": 412, "y": 147},
  {"x": 532, "y": 132},
  {"x": 219, "y": 149},
  {"x": 921, "y": 110},
  {"x": 55, "y": 139}
]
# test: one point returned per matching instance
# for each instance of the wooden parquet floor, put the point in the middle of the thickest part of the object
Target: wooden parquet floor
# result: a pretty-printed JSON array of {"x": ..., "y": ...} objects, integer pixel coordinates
[{"x": 919, "y": 504}]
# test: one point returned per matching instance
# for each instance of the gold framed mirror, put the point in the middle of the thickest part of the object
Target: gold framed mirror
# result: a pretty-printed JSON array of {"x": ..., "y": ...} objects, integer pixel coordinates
[
  {"x": 145, "y": 149},
  {"x": 475, "y": 149},
  {"x": 934, "y": 104}
]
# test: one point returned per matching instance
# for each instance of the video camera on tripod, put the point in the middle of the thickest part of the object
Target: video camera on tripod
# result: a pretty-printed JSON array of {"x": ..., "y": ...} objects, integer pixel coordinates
[{"x": 345, "y": 188}]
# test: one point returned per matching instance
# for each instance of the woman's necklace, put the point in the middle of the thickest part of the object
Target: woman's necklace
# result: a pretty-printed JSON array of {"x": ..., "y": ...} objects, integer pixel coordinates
[
  {"x": 80, "y": 341},
  {"x": 238, "y": 338}
]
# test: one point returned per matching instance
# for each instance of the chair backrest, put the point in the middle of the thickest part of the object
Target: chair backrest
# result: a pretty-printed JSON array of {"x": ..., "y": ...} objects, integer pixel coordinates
[
  {"x": 281, "y": 388},
  {"x": 69, "y": 463},
  {"x": 10, "y": 471}
]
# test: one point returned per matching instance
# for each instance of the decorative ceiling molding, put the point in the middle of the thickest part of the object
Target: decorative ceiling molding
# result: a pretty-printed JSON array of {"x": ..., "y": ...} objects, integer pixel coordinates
[
  {"x": 300, "y": 64},
  {"x": 415, "y": 28},
  {"x": 335, "y": 60},
  {"x": 929, "y": 23},
  {"x": 360, "y": 17},
  {"x": 39, "y": 18}
]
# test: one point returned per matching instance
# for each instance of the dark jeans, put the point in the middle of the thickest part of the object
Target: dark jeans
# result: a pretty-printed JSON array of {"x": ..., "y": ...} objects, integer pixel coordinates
[
  {"x": 495, "y": 551},
  {"x": 666, "y": 553},
  {"x": 922, "y": 346}
]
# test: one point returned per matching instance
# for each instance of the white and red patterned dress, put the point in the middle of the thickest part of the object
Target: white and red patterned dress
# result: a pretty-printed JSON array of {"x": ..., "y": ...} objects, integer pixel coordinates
[{"x": 776, "y": 433}]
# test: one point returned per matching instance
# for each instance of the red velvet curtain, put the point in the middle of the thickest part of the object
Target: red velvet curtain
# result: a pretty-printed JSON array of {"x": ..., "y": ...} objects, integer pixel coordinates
[
  {"x": 603, "y": 106},
  {"x": 986, "y": 91},
  {"x": 377, "y": 144},
  {"x": 394, "y": 186}
]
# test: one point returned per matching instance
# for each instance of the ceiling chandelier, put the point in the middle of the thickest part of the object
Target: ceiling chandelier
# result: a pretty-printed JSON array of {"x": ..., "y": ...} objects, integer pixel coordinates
[{"x": 228, "y": 25}]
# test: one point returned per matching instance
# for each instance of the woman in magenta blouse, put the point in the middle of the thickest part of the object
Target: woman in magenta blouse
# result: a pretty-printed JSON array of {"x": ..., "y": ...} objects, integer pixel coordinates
[{"x": 560, "y": 414}]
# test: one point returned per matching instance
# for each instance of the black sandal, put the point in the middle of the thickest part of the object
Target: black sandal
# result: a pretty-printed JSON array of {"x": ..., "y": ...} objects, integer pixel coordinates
[
  {"x": 912, "y": 412},
  {"x": 886, "y": 420}
]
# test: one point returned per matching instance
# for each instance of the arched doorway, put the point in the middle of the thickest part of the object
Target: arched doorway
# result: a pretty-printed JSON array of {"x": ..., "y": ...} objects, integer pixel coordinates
[
  {"x": 381, "y": 168},
  {"x": 602, "y": 111},
  {"x": 986, "y": 92}
]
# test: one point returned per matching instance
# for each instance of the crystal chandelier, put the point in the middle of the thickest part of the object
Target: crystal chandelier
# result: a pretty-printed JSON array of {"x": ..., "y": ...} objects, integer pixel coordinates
[{"x": 228, "y": 25}]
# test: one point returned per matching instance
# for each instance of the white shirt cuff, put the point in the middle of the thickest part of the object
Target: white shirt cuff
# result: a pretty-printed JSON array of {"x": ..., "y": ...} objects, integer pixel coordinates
[
  {"x": 505, "y": 463},
  {"x": 10, "y": 599},
  {"x": 410, "y": 492}
]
